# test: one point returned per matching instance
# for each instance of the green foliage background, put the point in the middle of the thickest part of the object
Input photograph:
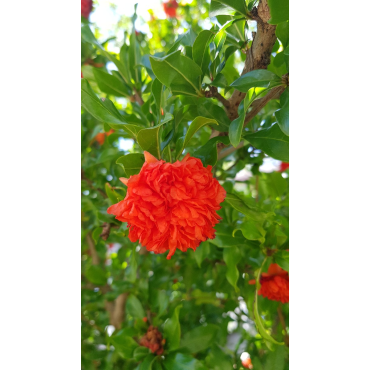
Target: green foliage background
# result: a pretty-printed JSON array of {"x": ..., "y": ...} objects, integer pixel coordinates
[{"x": 201, "y": 301}]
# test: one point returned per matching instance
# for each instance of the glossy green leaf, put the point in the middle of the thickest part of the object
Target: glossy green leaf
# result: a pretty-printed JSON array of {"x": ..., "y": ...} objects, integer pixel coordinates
[
  {"x": 282, "y": 115},
  {"x": 147, "y": 363},
  {"x": 200, "y": 338},
  {"x": 134, "y": 57},
  {"x": 282, "y": 33},
  {"x": 149, "y": 140},
  {"x": 258, "y": 320},
  {"x": 172, "y": 330},
  {"x": 110, "y": 84},
  {"x": 140, "y": 353},
  {"x": 279, "y": 10},
  {"x": 186, "y": 39},
  {"x": 197, "y": 124},
  {"x": 282, "y": 259},
  {"x": 124, "y": 345},
  {"x": 251, "y": 212},
  {"x": 231, "y": 257},
  {"x": 227, "y": 7},
  {"x": 131, "y": 270},
  {"x": 96, "y": 275},
  {"x": 256, "y": 78},
  {"x": 92, "y": 104},
  {"x": 131, "y": 163},
  {"x": 178, "y": 72},
  {"x": 208, "y": 152},
  {"x": 201, "y": 54},
  {"x": 224, "y": 237},
  {"x": 134, "y": 307},
  {"x": 157, "y": 87},
  {"x": 181, "y": 361},
  {"x": 113, "y": 196},
  {"x": 276, "y": 359},
  {"x": 272, "y": 141},
  {"x": 201, "y": 253},
  {"x": 252, "y": 231}
]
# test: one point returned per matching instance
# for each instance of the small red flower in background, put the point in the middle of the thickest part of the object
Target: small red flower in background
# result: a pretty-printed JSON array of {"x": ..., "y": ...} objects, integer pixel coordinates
[
  {"x": 170, "y": 8},
  {"x": 283, "y": 166},
  {"x": 86, "y": 7},
  {"x": 170, "y": 205},
  {"x": 153, "y": 340},
  {"x": 247, "y": 363},
  {"x": 274, "y": 284},
  {"x": 100, "y": 137}
]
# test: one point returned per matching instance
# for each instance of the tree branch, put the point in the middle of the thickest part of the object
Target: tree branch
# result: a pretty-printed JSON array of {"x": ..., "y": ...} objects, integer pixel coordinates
[
  {"x": 213, "y": 93},
  {"x": 258, "y": 56},
  {"x": 282, "y": 322},
  {"x": 118, "y": 311}
]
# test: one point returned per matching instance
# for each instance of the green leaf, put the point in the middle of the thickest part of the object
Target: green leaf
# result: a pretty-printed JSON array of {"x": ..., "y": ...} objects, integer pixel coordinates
[
  {"x": 210, "y": 110},
  {"x": 282, "y": 115},
  {"x": 134, "y": 57},
  {"x": 256, "y": 78},
  {"x": 157, "y": 88},
  {"x": 272, "y": 141},
  {"x": 282, "y": 259},
  {"x": 147, "y": 363},
  {"x": 180, "y": 361},
  {"x": 134, "y": 307},
  {"x": 149, "y": 140},
  {"x": 258, "y": 320},
  {"x": 208, "y": 152},
  {"x": 282, "y": 33},
  {"x": 178, "y": 72},
  {"x": 110, "y": 84},
  {"x": 201, "y": 54},
  {"x": 124, "y": 345},
  {"x": 200, "y": 338},
  {"x": 224, "y": 237},
  {"x": 197, "y": 123},
  {"x": 96, "y": 275},
  {"x": 131, "y": 163},
  {"x": 131, "y": 270},
  {"x": 113, "y": 196},
  {"x": 218, "y": 360},
  {"x": 172, "y": 330},
  {"x": 250, "y": 212},
  {"x": 88, "y": 36},
  {"x": 105, "y": 111},
  {"x": 231, "y": 257},
  {"x": 186, "y": 39},
  {"x": 140, "y": 353},
  {"x": 279, "y": 10},
  {"x": 252, "y": 231},
  {"x": 92, "y": 104},
  {"x": 201, "y": 253},
  {"x": 227, "y": 7},
  {"x": 276, "y": 359}
]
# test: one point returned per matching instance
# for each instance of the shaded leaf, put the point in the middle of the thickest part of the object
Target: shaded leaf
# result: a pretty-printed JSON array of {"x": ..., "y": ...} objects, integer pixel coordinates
[
  {"x": 172, "y": 330},
  {"x": 256, "y": 78},
  {"x": 180, "y": 361},
  {"x": 149, "y": 140},
  {"x": 227, "y": 7},
  {"x": 134, "y": 307},
  {"x": 110, "y": 84},
  {"x": 272, "y": 141},
  {"x": 231, "y": 257},
  {"x": 279, "y": 10},
  {"x": 200, "y": 338},
  {"x": 131, "y": 163}
]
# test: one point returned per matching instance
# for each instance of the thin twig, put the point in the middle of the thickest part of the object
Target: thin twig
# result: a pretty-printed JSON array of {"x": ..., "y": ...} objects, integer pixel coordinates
[
  {"x": 93, "y": 252},
  {"x": 282, "y": 321}
]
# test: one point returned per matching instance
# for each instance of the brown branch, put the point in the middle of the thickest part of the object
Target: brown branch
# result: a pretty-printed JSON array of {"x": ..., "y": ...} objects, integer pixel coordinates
[
  {"x": 260, "y": 103},
  {"x": 213, "y": 93},
  {"x": 230, "y": 150},
  {"x": 282, "y": 322},
  {"x": 117, "y": 313},
  {"x": 106, "y": 230},
  {"x": 258, "y": 56},
  {"x": 138, "y": 97}
]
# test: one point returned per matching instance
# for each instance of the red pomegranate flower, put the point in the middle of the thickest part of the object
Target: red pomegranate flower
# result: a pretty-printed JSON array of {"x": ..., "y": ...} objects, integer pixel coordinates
[
  {"x": 86, "y": 7},
  {"x": 170, "y": 8},
  {"x": 170, "y": 205},
  {"x": 283, "y": 166},
  {"x": 274, "y": 284}
]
